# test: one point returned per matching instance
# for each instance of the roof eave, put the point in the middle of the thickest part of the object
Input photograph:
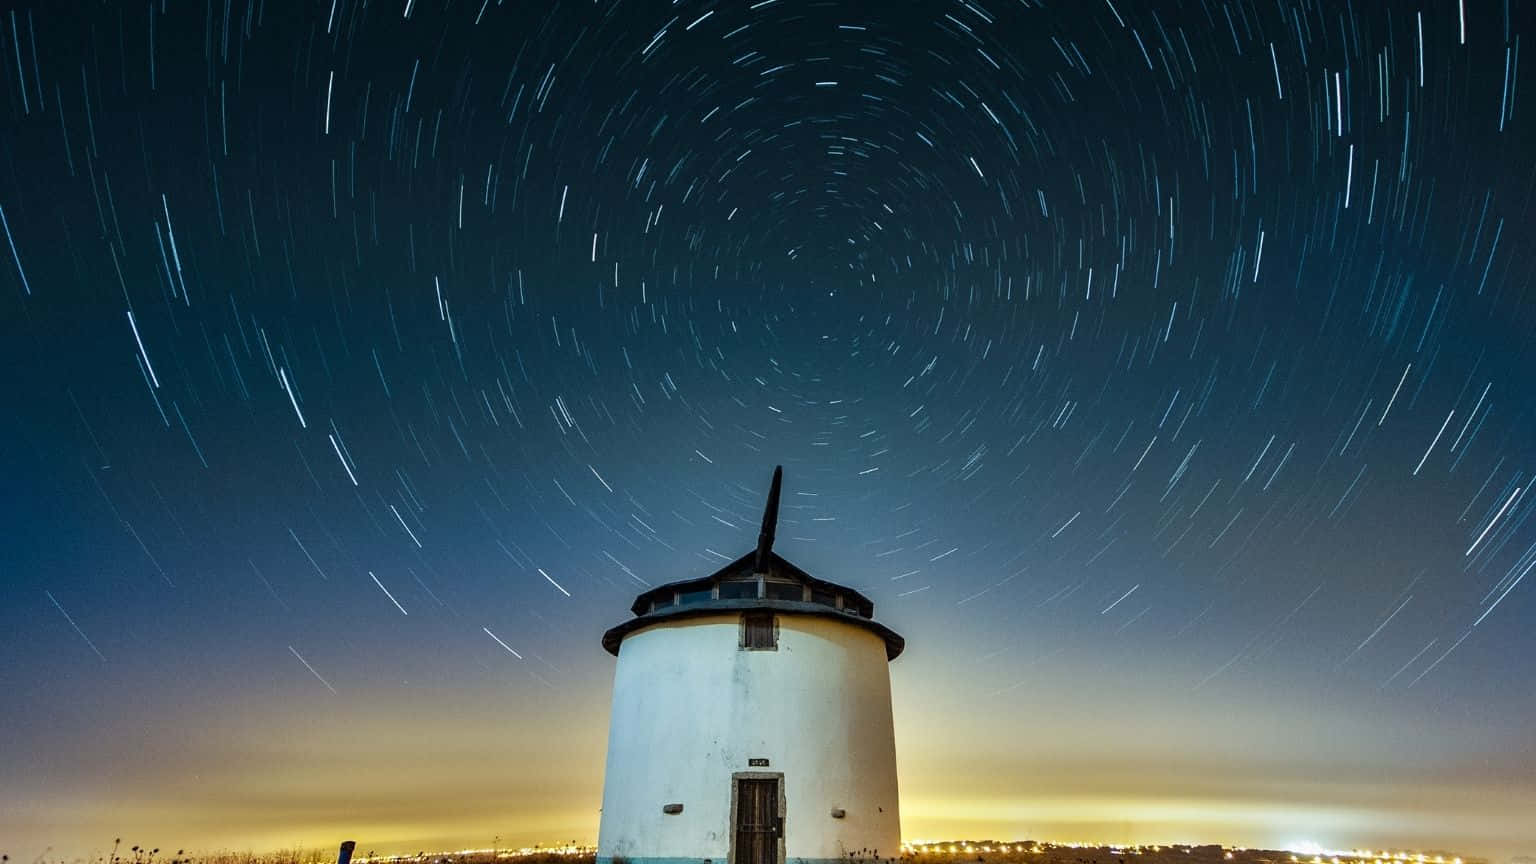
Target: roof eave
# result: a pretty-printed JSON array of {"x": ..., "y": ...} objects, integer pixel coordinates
[
  {"x": 642, "y": 602},
  {"x": 614, "y": 637}
]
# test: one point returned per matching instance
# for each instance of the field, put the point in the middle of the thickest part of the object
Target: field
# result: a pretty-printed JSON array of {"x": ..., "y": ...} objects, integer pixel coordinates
[{"x": 945, "y": 852}]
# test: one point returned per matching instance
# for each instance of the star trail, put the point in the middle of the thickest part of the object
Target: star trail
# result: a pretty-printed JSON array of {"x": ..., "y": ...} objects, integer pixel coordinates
[{"x": 1163, "y": 371}]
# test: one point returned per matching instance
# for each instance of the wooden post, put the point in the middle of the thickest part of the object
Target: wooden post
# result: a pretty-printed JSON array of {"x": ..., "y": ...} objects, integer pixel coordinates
[{"x": 345, "y": 855}]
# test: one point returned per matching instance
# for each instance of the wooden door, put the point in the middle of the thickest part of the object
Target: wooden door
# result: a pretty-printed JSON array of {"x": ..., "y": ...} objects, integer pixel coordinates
[{"x": 757, "y": 821}]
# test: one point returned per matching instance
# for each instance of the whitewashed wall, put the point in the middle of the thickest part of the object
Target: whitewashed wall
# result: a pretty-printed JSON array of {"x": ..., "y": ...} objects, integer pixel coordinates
[{"x": 690, "y": 708}]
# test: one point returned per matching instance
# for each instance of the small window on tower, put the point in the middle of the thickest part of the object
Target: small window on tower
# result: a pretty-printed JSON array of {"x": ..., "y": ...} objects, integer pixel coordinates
[
  {"x": 757, "y": 632},
  {"x": 742, "y": 589},
  {"x": 696, "y": 595},
  {"x": 784, "y": 591}
]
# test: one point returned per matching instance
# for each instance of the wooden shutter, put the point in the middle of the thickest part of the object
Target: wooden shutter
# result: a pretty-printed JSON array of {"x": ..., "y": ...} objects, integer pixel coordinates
[{"x": 757, "y": 631}]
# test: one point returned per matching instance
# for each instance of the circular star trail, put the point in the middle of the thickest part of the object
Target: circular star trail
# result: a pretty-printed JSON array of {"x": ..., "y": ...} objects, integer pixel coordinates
[{"x": 1162, "y": 371}]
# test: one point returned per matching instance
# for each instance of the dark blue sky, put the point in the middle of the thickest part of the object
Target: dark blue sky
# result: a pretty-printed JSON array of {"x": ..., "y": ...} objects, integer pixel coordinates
[{"x": 1162, "y": 372}]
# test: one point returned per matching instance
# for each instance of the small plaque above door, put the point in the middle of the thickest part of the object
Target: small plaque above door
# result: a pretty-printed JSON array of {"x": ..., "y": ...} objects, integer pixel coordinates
[{"x": 757, "y": 762}]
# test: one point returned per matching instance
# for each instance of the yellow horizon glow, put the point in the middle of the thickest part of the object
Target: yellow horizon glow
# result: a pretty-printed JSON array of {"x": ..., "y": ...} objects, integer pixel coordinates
[
  {"x": 453, "y": 768},
  {"x": 1089, "y": 820}
]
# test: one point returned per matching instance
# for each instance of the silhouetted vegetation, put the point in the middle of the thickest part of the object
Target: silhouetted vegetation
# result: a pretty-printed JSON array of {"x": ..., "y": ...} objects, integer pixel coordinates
[{"x": 948, "y": 852}]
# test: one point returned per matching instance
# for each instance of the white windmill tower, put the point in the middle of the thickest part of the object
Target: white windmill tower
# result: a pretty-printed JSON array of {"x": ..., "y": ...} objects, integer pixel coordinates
[{"x": 751, "y": 720}]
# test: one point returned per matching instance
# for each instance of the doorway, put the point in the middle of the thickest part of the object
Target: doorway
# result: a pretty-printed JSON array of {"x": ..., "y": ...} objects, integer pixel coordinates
[{"x": 757, "y": 818}]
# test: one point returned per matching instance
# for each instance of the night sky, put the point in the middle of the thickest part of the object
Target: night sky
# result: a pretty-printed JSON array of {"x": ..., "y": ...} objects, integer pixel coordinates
[{"x": 1164, "y": 372}]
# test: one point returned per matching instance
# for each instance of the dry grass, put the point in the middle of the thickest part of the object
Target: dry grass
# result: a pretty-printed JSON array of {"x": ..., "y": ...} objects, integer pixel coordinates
[
  {"x": 144, "y": 855},
  {"x": 955, "y": 852},
  {"x": 1030, "y": 852},
  {"x": 140, "y": 855}
]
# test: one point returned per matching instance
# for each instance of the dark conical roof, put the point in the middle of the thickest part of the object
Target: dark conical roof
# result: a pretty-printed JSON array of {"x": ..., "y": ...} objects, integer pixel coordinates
[{"x": 760, "y": 579}]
